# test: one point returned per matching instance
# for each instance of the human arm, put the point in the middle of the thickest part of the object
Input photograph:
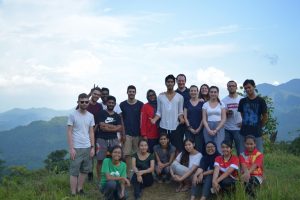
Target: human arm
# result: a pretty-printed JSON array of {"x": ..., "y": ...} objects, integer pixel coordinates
[
  {"x": 215, "y": 183},
  {"x": 223, "y": 119},
  {"x": 187, "y": 174},
  {"x": 149, "y": 170},
  {"x": 70, "y": 142},
  {"x": 92, "y": 140},
  {"x": 110, "y": 127},
  {"x": 205, "y": 122},
  {"x": 136, "y": 171},
  {"x": 158, "y": 111},
  {"x": 144, "y": 120},
  {"x": 180, "y": 110}
]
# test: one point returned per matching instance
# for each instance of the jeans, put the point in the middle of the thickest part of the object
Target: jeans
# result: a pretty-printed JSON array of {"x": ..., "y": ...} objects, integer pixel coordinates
[
  {"x": 234, "y": 135},
  {"x": 138, "y": 187},
  {"x": 204, "y": 186},
  {"x": 258, "y": 140},
  {"x": 218, "y": 138},
  {"x": 112, "y": 190}
]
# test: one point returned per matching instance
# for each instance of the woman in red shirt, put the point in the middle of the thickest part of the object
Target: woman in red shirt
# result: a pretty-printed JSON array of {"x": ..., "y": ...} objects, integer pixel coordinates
[
  {"x": 149, "y": 131},
  {"x": 252, "y": 166},
  {"x": 226, "y": 169}
]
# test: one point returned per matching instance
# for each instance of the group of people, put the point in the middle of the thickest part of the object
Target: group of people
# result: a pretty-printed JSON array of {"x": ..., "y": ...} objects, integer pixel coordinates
[{"x": 185, "y": 135}]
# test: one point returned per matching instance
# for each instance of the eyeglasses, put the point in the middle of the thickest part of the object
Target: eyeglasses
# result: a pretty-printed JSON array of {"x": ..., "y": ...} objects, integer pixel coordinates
[{"x": 86, "y": 102}]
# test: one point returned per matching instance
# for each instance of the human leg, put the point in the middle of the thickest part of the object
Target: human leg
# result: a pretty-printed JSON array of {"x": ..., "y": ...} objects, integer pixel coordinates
[
  {"x": 127, "y": 153},
  {"x": 108, "y": 190}
]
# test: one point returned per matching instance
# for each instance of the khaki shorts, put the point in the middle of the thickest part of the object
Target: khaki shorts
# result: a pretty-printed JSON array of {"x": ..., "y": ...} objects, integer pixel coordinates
[
  {"x": 82, "y": 162},
  {"x": 131, "y": 145},
  {"x": 103, "y": 146}
]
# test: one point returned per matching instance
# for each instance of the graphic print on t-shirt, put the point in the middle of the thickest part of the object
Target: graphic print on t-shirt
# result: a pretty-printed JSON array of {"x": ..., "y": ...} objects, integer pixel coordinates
[
  {"x": 115, "y": 174},
  {"x": 250, "y": 114},
  {"x": 109, "y": 120}
]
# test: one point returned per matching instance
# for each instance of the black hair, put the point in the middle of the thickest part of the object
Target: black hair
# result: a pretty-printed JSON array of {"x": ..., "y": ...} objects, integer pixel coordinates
[
  {"x": 164, "y": 134},
  {"x": 194, "y": 86},
  {"x": 111, "y": 98},
  {"x": 116, "y": 147},
  {"x": 96, "y": 88},
  {"x": 170, "y": 76},
  {"x": 185, "y": 156},
  {"x": 149, "y": 91},
  {"x": 105, "y": 89},
  {"x": 232, "y": 81},
  {"x": 181, "y": 75},
  {"x": 249, "y": 81},
  {"x": 202, "y": 96},
  {"x": 215, "y": 87},
  {"x": 251, "y": 137},
  {"x": 131, "y": 87},
  {"x": 142, "y": 140},
  {"x": 227, "y": 143},
  {"x": 82, "y": 96}
]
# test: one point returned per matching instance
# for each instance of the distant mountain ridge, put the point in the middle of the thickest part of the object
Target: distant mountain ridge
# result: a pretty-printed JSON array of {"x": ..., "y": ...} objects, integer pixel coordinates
[
  {"x": 17, "y": 116},
  {"x": 286, "y": 98},
  {"x": 29, "y": 145}
]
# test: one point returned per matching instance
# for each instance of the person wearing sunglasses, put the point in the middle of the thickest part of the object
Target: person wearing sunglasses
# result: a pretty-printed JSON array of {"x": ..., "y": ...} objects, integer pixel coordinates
[{"x": 80, "y": 135}]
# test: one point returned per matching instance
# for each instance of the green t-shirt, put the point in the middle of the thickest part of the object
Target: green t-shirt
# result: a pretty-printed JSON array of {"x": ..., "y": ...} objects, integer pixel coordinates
[{"x": 113, "y": 170}]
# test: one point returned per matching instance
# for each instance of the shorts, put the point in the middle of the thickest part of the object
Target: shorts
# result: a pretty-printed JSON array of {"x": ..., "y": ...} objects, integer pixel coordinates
[
  {"x": 131, "y": 145},
  {"x": 103, "y": 146},
  {"x": 82, "y": 162}
]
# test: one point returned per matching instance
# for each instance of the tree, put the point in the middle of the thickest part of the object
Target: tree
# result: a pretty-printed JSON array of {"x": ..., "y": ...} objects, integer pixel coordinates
[{"x": 56, "y": 161}]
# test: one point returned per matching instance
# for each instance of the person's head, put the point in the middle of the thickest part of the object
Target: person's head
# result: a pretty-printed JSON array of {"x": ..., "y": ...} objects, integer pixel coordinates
[
  {"x": 83, "y": 101},
  {"x": 104, "y": 94},
  {"x": 181, "y": 80},
  {"x": 143, "y": 146},
  {"x": 203, "y": 91},
  {"x": 116, "y": 153},
  {"x": 226, "y": 147},
  {"x": 249, "y": 87},
  {"x": 151, "y": 95},
  {"x": 250, "y": 143},
  {"x": 231, "y": 87},
  {"x": 163, "y": 139},
  {"x": 131, "y": 91},
  {"x": 210, "y": 148},
  {"x": 170, "y": 82},
  {"x": 213, "y": 92},
  {"x": 194, "y": 91},
  {"x": 110, "y": 103},
  {"x": 189, "y": 145},
  {"x": 95, "y": 94}
]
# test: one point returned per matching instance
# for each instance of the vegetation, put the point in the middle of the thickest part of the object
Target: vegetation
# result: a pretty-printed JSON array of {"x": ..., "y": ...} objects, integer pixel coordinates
[
  {"x": 282, "y": 170},
  {"x": 56, "y": 161}
]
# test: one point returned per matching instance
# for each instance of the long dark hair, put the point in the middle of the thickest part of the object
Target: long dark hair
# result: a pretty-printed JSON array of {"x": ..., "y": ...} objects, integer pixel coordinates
[
  {"x": 215, "y": 87},
  {"x": 185, "y": 156},
  {"x": 202, "y": 96}
]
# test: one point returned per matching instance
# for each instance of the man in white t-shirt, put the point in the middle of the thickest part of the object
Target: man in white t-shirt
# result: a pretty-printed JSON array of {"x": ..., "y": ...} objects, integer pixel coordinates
[
  {"x": 81, "y": 141},
  {"x": 233, "y": 119}
]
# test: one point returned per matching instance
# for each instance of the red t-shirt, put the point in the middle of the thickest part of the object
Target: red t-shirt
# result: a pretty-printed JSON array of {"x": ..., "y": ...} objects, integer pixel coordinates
[
  {"x": 224, "y": 165},
  {"x": 147, "y": 128},
  {"x": 255, "y": 158}
]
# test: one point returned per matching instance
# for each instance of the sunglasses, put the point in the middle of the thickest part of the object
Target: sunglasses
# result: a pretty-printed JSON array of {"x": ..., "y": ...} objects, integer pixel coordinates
[{"x": 86, "y": 102}]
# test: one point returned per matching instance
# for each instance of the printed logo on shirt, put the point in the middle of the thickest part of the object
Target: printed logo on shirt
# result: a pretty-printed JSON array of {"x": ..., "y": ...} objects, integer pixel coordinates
[
  {"x": 115, "y": 174},
  {"x": 232, "y": 106},
  {"x": 250, "y": 114},
  {"x": 109, "y": 120}
]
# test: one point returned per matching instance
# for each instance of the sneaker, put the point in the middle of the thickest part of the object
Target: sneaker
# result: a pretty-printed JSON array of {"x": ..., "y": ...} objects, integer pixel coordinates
[
  {"x": 81, "y": 192},
  {"x": 212, "y": 190}
]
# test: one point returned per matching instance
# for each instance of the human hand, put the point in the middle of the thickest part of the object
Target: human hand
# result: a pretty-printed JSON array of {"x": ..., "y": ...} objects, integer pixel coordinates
[
  {"x": 92, "y": 152},
  {"x": 72, "y": 153}
]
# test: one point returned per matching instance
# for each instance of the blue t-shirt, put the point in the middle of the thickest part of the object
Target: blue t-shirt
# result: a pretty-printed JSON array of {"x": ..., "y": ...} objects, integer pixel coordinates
[
  {"x": 194, "y": 113},
  {"x": 131, "y": 116}
]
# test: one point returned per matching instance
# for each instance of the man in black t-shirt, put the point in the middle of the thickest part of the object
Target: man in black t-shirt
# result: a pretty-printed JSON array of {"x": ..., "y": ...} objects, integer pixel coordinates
[
  {"x": 109, "y": 124},
  {"x": 254, "y": 113}
]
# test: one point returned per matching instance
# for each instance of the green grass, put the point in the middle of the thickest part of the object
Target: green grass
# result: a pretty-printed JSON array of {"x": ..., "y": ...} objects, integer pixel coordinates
[{"x": 282, "y": 172}]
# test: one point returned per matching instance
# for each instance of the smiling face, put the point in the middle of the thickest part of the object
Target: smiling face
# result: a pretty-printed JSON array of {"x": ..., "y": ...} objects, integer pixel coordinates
[
  {"x": 143, "y": 147},
  {"x": 193, "y": 92},
  {"x": 170, "y": 83},
  {"x": 210, "y": 149},
  {"x": 83, "y": 103},
  {"x": 250, "y": 144},
  {"x": 131, "y": 94},
  {"x": 163, "y": 140},
  {"x": 204, "y": 90},
  {"x": 226, "y": 150},
  {"x": 96, "y": 94},
  {"x": 249, "y": 89},
  {"x": 213, "y": 93},
  {"x": 116, "y": 154},
  {"x": 181, "y": 82},
  {"x": 189, "y": 146},
  {"x": 151, "y": 96}
]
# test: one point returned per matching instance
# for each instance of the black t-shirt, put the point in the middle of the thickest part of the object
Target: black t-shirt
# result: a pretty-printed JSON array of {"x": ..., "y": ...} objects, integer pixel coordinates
[
  {"x": 143, "y": 164},
  {"x": 185, "y": 94},
  {"x": 131, "y": 114},
  {"x": 105, "y": 117},
  {"x": 194, "y": 113},
  {"x": 252, "y": 110}
]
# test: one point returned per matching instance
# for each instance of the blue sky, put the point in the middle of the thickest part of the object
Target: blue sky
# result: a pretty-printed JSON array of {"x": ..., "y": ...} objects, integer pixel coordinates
[{"x": 50, "y": 51}]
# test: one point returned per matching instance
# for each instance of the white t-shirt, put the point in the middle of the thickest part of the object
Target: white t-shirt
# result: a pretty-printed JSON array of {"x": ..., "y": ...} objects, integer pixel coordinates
[
  {"x": 117, "y": 108},
  {"x": 233, "y": 119},
  {"x": 213, "y": 114},
  {"x": 169, "y": 111},
  {"x": 193, "y": 159},
  {"x": 81, "y": 124}
]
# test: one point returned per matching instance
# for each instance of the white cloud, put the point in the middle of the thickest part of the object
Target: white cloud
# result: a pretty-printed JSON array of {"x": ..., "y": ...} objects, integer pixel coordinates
[
  {"x": 213, "y": 76},
  {"x": 276, "y": 83}
]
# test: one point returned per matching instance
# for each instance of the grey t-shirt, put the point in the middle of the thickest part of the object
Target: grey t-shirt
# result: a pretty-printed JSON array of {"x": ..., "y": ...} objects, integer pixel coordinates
[
  {"x": 81, "y": 124},
  {"x": 164, "y": 155}
]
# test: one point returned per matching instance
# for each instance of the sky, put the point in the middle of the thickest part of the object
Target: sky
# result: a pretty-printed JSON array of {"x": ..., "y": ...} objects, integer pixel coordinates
[{"x": 51, "y": 51}]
